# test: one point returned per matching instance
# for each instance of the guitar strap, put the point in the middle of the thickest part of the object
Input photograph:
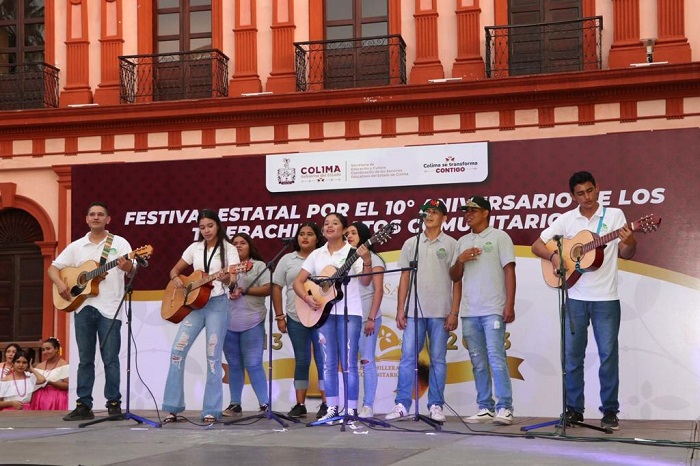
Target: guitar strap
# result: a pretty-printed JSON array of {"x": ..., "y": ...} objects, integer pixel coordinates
[
  {"x": 600, "y": 225},
  {"x": 105, "y": 251}
]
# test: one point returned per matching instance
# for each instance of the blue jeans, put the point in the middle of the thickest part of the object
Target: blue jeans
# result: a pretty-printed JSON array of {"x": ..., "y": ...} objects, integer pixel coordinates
[
  {"x": 368, "y": 346},
  {"x": 244, "y": 351},
  {"x": 485, "y": 336},
  {"x": 434, "y": 328},
  {"x": 332, "y": 339},
  {"x": 89, "y": 326},
  {"x": 302, "y": 338},
  {"x": 213, "y": 318},
  {"x": 605, "y": 318}
]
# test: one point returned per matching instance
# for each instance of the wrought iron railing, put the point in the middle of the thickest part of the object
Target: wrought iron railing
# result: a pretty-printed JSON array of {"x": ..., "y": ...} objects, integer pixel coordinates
[
  {"x": 553, "y": 47},
  {"x": 28, "y": 85},
  {"x": 350, "y": 63},
  {"x": 173, "y": 76}
]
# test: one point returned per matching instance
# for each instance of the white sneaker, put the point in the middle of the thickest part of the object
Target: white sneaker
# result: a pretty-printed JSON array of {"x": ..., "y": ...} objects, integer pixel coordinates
[
  {"x": 484, "y": 415},
  {"x": 504, "y": 417},
  {"x": 398, "y": 412},
  {"x": 366, "y": 412},
  {"x": 331, "y": 413},
  {"x": 436, "y": 413}
]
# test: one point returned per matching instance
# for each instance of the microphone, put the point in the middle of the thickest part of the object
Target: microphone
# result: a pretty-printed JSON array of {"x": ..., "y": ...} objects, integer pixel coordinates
[
  {"x": 288, "y": 239},
  {"x": 422, "y": 214},
  {"x": 142, "y": 261},
  {"x": 557, "y": 237}
]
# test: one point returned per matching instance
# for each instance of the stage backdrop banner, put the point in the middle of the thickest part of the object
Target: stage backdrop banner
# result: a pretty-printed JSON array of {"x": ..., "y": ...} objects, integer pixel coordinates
[{"x": 527, "y": 183}]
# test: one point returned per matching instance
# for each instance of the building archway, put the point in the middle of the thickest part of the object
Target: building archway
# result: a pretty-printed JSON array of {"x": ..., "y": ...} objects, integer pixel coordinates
[{"x": 46, "y": 244}]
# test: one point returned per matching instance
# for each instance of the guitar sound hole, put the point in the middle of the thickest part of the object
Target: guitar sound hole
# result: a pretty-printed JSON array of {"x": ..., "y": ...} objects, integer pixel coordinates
[{"x": 577, "y": 252}]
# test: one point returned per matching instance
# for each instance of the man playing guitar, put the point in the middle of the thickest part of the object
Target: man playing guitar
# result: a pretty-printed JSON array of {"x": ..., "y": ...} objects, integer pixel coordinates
[
  {"x": 94, "y": 317},
  {"x": 593, "y": 298}
]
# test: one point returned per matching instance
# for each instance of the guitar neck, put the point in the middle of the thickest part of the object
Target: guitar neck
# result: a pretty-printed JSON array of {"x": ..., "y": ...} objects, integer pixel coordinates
[
  {"x": 603, "y": 240},
  {"x": 203, "y": 281},
  {"x": 104, "y": 268}
]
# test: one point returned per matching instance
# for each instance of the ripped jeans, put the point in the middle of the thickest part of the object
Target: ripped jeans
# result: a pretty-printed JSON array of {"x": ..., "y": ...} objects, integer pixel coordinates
[{"x": 214, "y": 319}]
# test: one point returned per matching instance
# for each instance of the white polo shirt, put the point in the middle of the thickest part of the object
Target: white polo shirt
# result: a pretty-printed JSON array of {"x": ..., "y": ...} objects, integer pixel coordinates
[
  {"x": 194, "y": 255},
  {"x": 599, "y": 285},
  {"x": 320, "y": 258},
  {"x": 111, "y": 289}
]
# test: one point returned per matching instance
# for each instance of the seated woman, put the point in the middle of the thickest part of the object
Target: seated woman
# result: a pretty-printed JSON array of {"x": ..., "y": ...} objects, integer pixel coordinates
[
  {"x": 54, "y": 395},
  {"x": 17, "y": 387},
  {"x": 10, "y": 352}
]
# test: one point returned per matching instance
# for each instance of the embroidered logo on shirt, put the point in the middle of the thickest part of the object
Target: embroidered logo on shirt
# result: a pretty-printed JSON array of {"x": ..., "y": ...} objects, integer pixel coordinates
[{"x": 441, "y": 253}]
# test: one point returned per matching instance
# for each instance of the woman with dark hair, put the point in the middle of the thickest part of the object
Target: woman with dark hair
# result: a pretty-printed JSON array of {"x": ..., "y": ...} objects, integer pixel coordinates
[
  {"x": 54, "y": 395},
  {"x": 371, "y": 296},
  {"x": 245, "y": 339},
  {"x": 214, "y": 255},
  {"x": 332, "y": 335},
  {"x": 10, "y": 352},
  {"x": 16, "y": 388},
  {"x": 307, "y": 239}
]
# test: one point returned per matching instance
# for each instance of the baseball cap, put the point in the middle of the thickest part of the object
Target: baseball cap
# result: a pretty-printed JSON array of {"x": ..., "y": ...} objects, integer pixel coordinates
[
  {"x": 435, "y": 204},
  {"x": 477, "y": 202}
]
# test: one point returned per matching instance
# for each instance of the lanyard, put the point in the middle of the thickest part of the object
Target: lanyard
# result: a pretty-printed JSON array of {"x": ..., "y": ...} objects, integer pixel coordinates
[
  {"x": 600, "y": 225},
  {"x": 213, "y": 253},
  {"x": 600, "y": 222}
]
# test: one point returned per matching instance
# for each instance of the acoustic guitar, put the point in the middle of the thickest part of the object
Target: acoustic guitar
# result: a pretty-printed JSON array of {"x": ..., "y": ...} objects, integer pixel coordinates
[
  {"x": 326, "y": 288},
  {"x": 584, "y": 252},
  {"x": 84, "y": 280},
  {"x": 179, "y": 302}
]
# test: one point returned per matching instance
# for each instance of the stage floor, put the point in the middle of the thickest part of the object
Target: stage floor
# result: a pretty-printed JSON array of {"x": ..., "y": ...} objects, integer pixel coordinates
[{"x": 42, "y": 437}]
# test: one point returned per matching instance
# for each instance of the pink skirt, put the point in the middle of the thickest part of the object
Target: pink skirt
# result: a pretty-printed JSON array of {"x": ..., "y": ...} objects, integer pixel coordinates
[{"x": 49, "y": 398}]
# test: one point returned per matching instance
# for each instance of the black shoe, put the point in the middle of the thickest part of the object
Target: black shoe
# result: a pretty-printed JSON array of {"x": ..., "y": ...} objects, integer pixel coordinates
[
  {"x": 572, "y": 417},
  {"x": 80, "y": 413},
  {"x": 232, "y": 410},
  {"x": 610, "y": 420},
  {"x": 263, "y": 409},
  {"x": 322, "y": 411},
  {"x": 114, "y": 408},
  {"x": 299, "y": 410}
]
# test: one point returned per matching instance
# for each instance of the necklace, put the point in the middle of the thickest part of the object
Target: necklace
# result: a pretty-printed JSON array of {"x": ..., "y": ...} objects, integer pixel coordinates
[
  {"x": 17, "y": 387},
  {"x": 48, "y": 371}
]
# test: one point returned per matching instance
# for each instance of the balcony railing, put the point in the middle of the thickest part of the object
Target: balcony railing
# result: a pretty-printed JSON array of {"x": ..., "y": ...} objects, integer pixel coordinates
[
  {"x": 350, "y": 63},
  {"x": 28, "y": 85},
  {"x": 173, "y": 76},
  {"x": 553, "y": 47}
]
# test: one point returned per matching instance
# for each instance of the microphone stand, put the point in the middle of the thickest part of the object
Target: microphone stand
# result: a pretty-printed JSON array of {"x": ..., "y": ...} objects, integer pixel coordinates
[
  {"x": 413, "y": 288},
  {"x": 564, "y": 310},
  {"x": 346, "y": 418},
  {"x": 268, "y": 413},
  {"x": 128, "y": 292}
]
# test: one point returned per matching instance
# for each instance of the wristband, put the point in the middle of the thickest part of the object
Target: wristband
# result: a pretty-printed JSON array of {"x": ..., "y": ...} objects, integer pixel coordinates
[
  {"x": 553, "y": 254},
  {"x": 454, "y": 313},
  {"x": 372, "y": 319},
  {"x": 279, "y": 317}
]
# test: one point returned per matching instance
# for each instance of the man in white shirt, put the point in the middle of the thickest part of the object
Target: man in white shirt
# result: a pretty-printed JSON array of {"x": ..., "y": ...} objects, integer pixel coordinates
[
  {"x": 93, "y": 318},
  {"x": 593, "y": 298}
]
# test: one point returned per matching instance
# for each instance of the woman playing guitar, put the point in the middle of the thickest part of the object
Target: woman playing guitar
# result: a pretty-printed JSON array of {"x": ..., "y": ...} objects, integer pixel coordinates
[
  {"x": 213, "y": 254},
  {"x": 322, "y": 263}
]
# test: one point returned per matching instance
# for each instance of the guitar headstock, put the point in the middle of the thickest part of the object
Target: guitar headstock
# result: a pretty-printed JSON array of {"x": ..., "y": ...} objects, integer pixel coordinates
[
  {"x": 243, "y": 267},
  {"x": 144, "y": 252},
  {"x": 384, "y": 234},
  {"x": 647, "y": 223}
]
